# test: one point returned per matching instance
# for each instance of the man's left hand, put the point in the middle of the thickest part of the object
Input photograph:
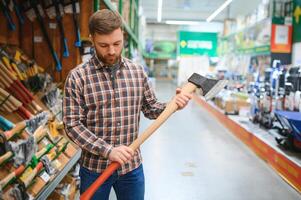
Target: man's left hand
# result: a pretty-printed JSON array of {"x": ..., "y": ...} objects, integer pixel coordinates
[{"x": 182, "y": 98}]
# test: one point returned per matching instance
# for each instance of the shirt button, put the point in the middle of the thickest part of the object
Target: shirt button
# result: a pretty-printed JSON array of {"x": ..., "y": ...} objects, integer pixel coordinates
[{"x": 118, "y": 124}]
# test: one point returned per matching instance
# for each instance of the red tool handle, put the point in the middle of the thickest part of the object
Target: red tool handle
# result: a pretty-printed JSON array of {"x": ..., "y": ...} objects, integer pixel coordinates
[
  {"x": 169, "y": 110},
  {"x": 99, "y": 181}
]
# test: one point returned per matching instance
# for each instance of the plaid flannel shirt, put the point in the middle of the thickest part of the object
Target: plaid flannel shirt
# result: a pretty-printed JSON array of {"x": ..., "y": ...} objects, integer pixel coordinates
[{"x": 100, "y": 112}]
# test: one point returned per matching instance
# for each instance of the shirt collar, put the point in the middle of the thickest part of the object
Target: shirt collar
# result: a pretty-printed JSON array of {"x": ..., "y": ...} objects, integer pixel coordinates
[{"x": 100, "y": 65}]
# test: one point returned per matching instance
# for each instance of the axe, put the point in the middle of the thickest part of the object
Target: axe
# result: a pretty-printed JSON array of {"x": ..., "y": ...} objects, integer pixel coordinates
[
  {"x": 209, "y": 87},
  {"x": 16, "y": 173},
  {"x": 45, "y": 163},
  {"x": 31, "y": 125},
  {"x": 23, "y": 150}
]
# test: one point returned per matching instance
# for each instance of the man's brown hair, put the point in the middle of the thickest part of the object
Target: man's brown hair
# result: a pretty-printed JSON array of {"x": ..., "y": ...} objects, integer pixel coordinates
[{"x": 104, "y": 22}]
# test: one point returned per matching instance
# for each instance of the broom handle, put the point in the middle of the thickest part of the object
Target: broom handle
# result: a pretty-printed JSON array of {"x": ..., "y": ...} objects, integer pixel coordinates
[{"x": 169, "y": 110}]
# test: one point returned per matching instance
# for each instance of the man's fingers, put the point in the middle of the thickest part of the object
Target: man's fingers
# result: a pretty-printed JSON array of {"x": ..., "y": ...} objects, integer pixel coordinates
[
  {"x": 126, "y": 154},
  {"x": 119, "y": 160},
  {"x": 184, "y": 98},
  {"x": 181, "y": 101},
  {"x": 130, "y": 151},
  {"x": 122, "y": 157}
]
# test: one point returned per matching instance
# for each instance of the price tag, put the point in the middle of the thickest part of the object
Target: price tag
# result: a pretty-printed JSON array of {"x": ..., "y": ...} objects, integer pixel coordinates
[
  {"x": 45, "y": 177},
  {"x": 52, "y": 25},
  {"x": 38, "y": 39}
]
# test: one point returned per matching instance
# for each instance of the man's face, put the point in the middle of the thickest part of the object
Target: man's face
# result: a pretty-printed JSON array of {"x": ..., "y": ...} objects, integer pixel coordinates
[{"x": 108, "y": 46}]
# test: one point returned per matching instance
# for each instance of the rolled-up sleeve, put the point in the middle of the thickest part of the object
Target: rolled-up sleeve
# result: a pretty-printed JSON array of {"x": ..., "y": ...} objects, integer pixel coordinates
[{"x": 73, "y": 118}]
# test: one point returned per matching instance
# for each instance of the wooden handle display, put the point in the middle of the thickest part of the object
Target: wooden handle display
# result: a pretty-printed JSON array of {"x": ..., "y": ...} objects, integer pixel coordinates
[
  {"x": 39, "y": 133},
  {"x": 17, "y": 91},
  {"x": 169, "y": 110},
  {"x": 9, "y": 134},
  {"x": 5, "y": 157},
  {"x": 7, "y": 179},
  {"x": 19, "y": 88},
  {"x": 11, "y": 176},
  {"x": 16, "y": 103},
  {"x": 30, "y": 174}
]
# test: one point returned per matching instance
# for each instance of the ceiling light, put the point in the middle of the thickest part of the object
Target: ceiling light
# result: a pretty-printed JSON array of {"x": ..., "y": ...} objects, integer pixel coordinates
[
  {"x": 176, "y": 22},
  {"x": 220, "y": 9},
  {"x": 159, "y": 16}
]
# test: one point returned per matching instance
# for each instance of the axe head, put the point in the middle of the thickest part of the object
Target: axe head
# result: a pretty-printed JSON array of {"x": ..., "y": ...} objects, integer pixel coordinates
[
  {"x": 36, "y": 121},
  {"x": 210, "y": 87}
]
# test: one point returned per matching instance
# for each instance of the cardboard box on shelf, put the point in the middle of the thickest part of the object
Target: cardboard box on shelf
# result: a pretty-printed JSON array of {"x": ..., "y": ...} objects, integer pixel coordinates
[
  {"x": 68, "y": 183},
  {"x": 37, "y": 186},
  {"x": 70, "y": 150}
]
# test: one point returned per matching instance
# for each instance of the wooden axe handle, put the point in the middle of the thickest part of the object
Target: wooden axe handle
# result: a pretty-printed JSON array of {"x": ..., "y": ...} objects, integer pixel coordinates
[
  {"x": 39, "y": 133},
  {"x": 16, "y": 88},
  {"x": 169, "y": 110},
  {"x": 13, "y": 101},
  {"x": 7, "y": 179},
  {"x": 7, "y": 107},
  {"x": 17, "y": 81},
  {"x": 5, "y": 157},
  {"x": 13, "y": 90},
  {"x": 7, "y": 103},
  {"x": 26, "y": 113},
  {"x": 9, "y": 134},
  {"x": 12, "y": 175},
  {"x": 30, "y": 174}
]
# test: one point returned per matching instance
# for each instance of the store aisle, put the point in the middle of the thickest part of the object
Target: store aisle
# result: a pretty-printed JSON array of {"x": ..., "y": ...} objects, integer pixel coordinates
[{"x": 192, "y": 156}]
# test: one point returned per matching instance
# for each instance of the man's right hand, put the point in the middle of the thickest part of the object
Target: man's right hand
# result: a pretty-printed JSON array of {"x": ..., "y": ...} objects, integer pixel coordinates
[{"x": 121, "y": 154}]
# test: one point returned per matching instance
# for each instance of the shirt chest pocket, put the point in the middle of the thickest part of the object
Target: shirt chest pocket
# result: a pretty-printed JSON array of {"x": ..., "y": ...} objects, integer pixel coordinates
[{"x": 97, "y": 100}]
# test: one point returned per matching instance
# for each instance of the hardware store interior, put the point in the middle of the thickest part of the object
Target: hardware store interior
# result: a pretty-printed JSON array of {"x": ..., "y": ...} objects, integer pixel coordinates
[{"x": 150, "y": 99}]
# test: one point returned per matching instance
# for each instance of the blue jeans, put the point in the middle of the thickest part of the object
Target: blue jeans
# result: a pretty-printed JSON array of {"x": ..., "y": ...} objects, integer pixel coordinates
[{"x": 127, "y": 187}]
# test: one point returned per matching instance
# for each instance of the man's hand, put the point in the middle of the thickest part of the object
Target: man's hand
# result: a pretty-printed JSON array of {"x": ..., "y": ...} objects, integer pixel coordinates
[
  {"x": 182, "y": 98},
  {"x": 121, "y": 154}
]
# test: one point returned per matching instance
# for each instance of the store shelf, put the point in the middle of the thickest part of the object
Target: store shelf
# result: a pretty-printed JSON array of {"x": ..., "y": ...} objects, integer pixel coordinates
[
  {"x": 126, "y": 26},
  {"x": 287, "y": 165},
  {"x": 52, "y": 185}
]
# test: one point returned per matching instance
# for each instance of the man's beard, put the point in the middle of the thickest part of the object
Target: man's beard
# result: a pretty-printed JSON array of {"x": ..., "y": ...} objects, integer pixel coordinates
[{"x": 109, "y": 60}]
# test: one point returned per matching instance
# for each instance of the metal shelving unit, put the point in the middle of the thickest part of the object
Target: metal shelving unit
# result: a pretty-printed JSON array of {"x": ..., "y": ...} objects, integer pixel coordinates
[
  {"x": 131, "y": 28},
  {"x": 48, "y": 189}
]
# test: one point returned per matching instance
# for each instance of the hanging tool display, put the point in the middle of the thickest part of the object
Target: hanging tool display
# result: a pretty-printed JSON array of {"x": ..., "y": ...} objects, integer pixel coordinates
[
  {"x": 209, "y": 89},
  {"x": 18, "y": 12},
  {"x": 31, "y": 7},
  {"x": 4, "y": 8},
  {"x": 75, "y": 10},
  {"x": 54, "y": 9}
]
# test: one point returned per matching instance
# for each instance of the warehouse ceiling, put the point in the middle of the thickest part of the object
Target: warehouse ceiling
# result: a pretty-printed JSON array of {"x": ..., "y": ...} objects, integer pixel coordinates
[{"x": 197, "y": 10}]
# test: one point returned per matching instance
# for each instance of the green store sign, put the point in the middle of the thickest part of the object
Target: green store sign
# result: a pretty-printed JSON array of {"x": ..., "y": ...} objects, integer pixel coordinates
[
  {"x": 197, "y": 43},
  {"x": 297, "y": 21}
]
